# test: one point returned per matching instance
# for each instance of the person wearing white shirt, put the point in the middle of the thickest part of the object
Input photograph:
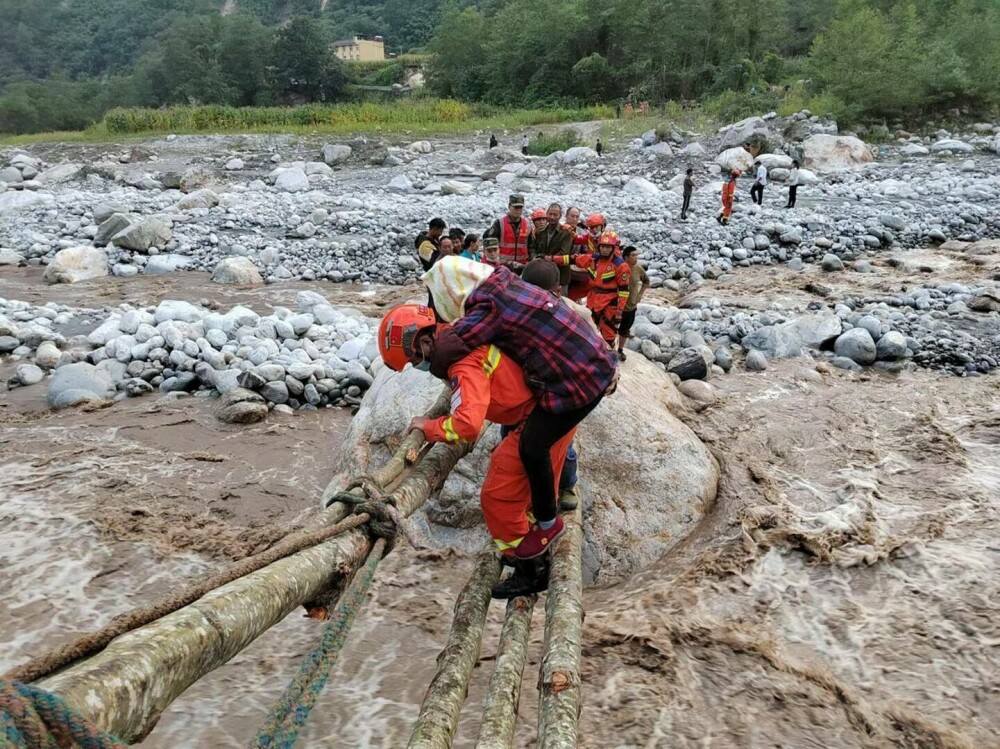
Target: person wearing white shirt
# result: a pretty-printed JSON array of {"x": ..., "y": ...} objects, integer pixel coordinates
[
  {"x": 757, "y": 191},
  {"x": 793, "y": 184},
  {"x": 524, "y": 144}
]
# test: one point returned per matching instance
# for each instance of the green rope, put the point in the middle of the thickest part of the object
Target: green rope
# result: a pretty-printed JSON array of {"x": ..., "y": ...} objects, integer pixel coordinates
[
  {"x": 281, "y": 728},
  {"x": 31, "y": 718}
]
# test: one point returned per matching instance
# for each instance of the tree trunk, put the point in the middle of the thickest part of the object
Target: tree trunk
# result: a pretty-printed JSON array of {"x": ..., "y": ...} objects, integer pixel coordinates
[
  {"x": 500, "y": 714},
  {"x": 125, "y": 688},
  {"x": 559, "y": 679},
  {"x": 438, "y": 719}
]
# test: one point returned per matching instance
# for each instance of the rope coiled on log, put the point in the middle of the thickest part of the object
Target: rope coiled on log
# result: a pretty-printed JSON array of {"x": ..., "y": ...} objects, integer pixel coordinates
[{"x": 31, "y": 718}]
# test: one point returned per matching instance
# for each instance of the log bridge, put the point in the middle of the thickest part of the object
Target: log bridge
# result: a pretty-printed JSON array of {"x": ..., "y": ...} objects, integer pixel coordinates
[{"x": 117, "y": 682}]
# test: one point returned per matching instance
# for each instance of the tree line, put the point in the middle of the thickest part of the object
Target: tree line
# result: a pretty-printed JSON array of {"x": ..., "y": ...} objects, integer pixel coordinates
[{"x": 62, "y": 65}]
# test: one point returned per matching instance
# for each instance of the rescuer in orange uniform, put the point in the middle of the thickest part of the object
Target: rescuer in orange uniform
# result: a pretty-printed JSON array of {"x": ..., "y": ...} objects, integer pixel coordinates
[
  {"x": 728, "y": 195},
  {"x": 580, "y": 281},
  {"x": 486, "y": 385},
  {"x": 609, "y": 273}
]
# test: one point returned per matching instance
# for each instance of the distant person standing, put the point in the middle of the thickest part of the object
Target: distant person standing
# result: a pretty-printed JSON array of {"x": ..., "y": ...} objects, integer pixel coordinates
[
  {"x": 599, "y": 147},
  {"x": 793, "y": 184},
  {"x": 525, "y": 141},
  {"x": 728, "y": 196},
  {"x": 759, "y": 183},
  {"x": 493, "y": 141},
  {"x": 637, "y": 285},
  {"x": 688, "y": 191}
]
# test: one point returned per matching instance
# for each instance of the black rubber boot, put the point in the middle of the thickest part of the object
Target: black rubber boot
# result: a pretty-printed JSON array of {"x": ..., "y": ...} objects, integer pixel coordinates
[{"x": 530, "y": 576}]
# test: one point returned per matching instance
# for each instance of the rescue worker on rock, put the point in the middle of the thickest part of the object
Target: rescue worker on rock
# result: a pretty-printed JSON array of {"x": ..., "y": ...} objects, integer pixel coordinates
[
  {"x": 609, "y": 273},
  {"x": 565, "y": 364},
  {"x": 580, "y": 280},
  {"x": 513, "y": 231},
  {"x": 538, "y": 221},
  {"x": 486, "y": 385},
  {"x": 728, "y": 196}
]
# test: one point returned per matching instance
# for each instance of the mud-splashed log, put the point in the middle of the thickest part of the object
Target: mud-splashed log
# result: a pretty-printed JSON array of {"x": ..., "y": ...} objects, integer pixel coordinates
[
  {"x": 438, "y": 719},
  {"x": 500, "y": 714},
  {"x": 559, "y": 678},
  {"x": 125, "y": 688}
]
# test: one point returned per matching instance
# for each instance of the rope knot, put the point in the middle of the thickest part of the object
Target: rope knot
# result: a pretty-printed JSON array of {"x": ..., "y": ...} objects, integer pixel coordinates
[{"x": 383, "y": 520}]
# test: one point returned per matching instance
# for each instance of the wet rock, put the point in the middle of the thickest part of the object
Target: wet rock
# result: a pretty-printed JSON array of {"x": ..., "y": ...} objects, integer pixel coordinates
[
  {"x": 240, "y": 406},
  {"x": 795, "y": 337},
  {"x": 79, "y": 383},
  {"x": 76, "y": 264},
  {"x": 161, "y": 265},
  {"x": 756, "y": 361},
  {"x": 48, "y": 355},
  {"x": 891, "y": 346},
  {"x": 689, "y": 364},
  {"x": 831, "y": 263},
  {"x": 239, "y": 271},
  {"x": 700, "y": 392},
  {"x": 29, "y": 374},
  {"x": 275, "y": 392},
  {"x": 858, "y": 345}
]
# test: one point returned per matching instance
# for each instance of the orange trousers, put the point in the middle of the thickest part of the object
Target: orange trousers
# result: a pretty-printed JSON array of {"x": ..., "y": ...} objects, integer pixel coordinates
[{"x": 506, "y": 494}]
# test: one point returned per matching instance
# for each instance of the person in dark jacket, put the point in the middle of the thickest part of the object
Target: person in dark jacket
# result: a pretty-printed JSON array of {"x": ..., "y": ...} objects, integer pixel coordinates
[
  {"x": 428, "y": 243},
  {"x": 688, "y": 191}
]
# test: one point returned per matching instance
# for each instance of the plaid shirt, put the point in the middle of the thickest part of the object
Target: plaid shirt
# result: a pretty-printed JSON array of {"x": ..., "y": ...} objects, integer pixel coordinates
[{"x": 564, "y": 361}]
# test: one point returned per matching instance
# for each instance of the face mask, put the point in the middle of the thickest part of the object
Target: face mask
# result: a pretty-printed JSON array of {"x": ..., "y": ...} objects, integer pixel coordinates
[{"x": 424, "y": 366}]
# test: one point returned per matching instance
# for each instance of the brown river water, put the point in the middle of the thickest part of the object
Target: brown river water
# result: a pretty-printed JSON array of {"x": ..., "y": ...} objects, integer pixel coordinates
[{"x": 842, "y": 592}]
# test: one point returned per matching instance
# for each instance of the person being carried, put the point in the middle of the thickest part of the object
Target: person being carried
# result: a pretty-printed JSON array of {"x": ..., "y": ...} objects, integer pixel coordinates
[
  {"x": 513, "y": 231},
  {"x": 486, "y": 385},
  {"x": 728, "y": 196},
  {"x": 565, "y": 364},
  {"x": 609, "y": 274},
  {"x": 637, "y": 285}
]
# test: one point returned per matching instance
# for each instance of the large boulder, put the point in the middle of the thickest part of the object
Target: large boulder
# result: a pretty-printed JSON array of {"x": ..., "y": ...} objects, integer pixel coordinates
[
  {"x": 143, "y": 235},
  {"x": 9, "y": 257},
  {"x": 76, "y": 264},
  {"x": 750, "y": 132},
  {"x": 579, "y": 154},
  {"x": 292, "y": 180},
  {"x": 642, "y": 495},
  {"x": 858, "y": 345},
  {"x": 79, "y": 383},
  {"x": 950, "y": 144},
  {"x": 240, "y": 406},
  {"x": 203, "y": 198},
  {"x": 335, "y": 154},
  {"x": 735, "y": 158},
  {"x": 831, "y": 153},
  {"x": 239, "y": 271},
  {"x": 640, "y": 186},
  {"x": 109, "y": 227},
  {"x": 59, "y": 173},
  {"x": 160, "y": 265},
  {"x": 794, "y": 338}
]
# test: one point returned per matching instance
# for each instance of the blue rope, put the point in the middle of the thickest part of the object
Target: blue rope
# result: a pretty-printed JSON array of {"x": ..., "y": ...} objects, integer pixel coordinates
[
  {"x": 289, "y": 714},
  {"x": 31, "y": 718}
]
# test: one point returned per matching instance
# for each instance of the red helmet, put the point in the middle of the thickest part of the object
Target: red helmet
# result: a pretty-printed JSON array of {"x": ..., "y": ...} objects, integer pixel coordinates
[
  {"x": 538, "y": 213},
  {"x": 609, "y": 238},
  {"x": 398, "y": 331},
  {"x": 735, "y": 173},
  {"x": 595, "y": 219}
]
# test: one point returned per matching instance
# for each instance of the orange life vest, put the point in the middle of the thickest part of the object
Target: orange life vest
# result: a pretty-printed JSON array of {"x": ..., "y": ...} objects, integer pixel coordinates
[{"x": 513, "y": 247}]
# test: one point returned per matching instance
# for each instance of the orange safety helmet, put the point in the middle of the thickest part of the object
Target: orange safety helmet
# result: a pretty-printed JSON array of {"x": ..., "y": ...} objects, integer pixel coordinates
[
  {"x": 595, "y": 219},
  {"x": 538, "y": 213},
  {"x": 398, "y": 331},
  {"x": 609, "y": 238},
  {"x": 735, "y": 173}
]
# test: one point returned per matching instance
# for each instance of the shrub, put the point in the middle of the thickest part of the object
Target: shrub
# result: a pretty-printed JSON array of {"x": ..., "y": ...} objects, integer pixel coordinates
[{"x": 553, "y": 142}]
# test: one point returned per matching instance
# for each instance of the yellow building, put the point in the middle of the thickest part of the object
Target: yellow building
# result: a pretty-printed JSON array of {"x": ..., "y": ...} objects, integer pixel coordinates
[{"x": 360, "y": 49}]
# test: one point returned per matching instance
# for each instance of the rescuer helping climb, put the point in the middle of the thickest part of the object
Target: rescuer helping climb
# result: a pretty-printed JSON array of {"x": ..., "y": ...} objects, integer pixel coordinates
[
  {"x": 565, "y": 364},
  {"x": 485, "y": 385}
]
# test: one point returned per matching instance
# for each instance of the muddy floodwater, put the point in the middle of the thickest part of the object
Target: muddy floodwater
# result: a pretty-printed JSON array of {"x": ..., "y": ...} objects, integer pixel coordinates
[{"x": 842, "y": 592}]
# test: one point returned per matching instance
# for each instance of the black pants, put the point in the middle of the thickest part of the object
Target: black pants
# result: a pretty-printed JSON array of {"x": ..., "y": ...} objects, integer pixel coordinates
[
  {"x": 686, "y": 206},
  {"x": 541, "y": 431},
  {"x": 757, "y": 193},
  {"x": 792, "y": 190}
]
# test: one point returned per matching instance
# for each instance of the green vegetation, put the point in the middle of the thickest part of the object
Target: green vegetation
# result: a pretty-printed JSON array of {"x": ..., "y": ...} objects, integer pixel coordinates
[
  {"x": 63, "y": 65},
  {"x": 558, "y": 141}
]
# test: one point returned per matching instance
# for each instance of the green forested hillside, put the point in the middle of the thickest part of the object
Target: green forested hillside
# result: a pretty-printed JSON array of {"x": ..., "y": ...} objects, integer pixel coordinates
[{"x": 63, "y": 64}]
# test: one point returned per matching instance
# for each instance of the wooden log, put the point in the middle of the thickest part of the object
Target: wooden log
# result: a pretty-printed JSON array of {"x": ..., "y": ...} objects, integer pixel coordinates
[
  {"x": 504, "y": 692},
  {"x": 125, "y": 688},
  {"x": 438, "y": 719},
  {"x": 559, "y": 677}
]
